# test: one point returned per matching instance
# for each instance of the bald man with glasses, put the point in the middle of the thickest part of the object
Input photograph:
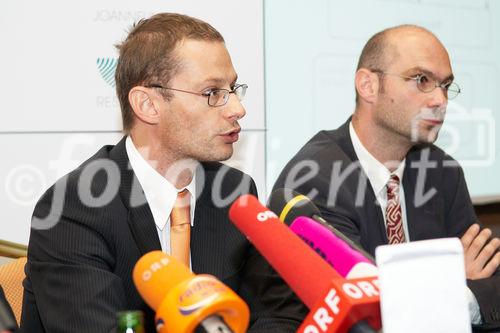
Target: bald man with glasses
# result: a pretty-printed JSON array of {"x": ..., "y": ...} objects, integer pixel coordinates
[{"x": 380, "y": 179}]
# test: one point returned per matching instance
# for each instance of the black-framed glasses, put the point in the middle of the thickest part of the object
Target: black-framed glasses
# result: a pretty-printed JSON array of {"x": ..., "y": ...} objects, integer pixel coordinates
[
  {"x": 215, "y": 97},
  {"x": 426, "y": 84}
]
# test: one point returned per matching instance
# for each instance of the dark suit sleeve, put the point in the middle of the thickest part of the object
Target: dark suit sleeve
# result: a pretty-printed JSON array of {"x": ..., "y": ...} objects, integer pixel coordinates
[
  {"x": 7, "y": 318},
  {"x": 460, "y": 217},
  {"x": 487, "y": 293},
  {"x": 460, "y": 213},
  {"x": 69, "y": 286},
  {"x": 274, "y": 306}
]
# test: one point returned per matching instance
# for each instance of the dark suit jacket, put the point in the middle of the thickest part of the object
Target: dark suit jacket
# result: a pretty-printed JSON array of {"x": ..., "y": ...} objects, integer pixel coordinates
[
  {"x": 78, "y": 273},
  {"x": 7, "y": 318},
  {"x": 337, "y": 189}
]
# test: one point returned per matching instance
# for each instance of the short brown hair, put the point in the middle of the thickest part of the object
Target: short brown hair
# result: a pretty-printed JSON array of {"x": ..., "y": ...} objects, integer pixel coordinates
[{"x": 147, "y": 57}]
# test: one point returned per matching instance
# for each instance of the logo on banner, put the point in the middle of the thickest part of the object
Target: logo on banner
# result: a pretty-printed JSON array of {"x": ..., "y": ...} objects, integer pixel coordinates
[{"x": 107, "y": 67}]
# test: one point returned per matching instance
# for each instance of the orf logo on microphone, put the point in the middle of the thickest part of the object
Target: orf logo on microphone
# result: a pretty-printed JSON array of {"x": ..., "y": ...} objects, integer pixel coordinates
[
  {"x": 201, "y": 292},
  {"x": 331, "y": 312},
  {"x": 265, "y": 215},
  {"x": 155, "y": 266}
]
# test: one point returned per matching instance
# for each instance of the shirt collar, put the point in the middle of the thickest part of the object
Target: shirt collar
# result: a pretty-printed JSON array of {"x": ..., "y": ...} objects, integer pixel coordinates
[
  {"x": 160, "y": 193},
  {"x": 377, "y": 173}
]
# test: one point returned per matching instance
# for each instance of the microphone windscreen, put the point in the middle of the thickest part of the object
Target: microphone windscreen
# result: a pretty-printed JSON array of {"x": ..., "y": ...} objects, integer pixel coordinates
[
  {"x": 155, "y": 274},
  {"x": 289, "y": 205},
  {"x": 303, "y": 269},
  {"x": 333, "y": 249}
]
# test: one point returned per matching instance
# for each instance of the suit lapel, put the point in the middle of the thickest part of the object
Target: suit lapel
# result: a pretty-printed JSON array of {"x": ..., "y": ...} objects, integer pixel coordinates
[
  {"x": 140, "y": 219},
  {"x": 209, "y": 246},
  {"x": 143, "y": 229},
  {"x": 206, "y": 245},
  {"x": 370, "y": 207},
  {"x": 204, "y": 230},
  {"x": 422, "y": 218}
]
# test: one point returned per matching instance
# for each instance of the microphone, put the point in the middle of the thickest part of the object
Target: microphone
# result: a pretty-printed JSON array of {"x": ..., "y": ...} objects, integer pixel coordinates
[
  {"x": 337, "y": 305},
  {"x": 349, "y": 263},
  {"x": 289, "y": 204},
  {"x": 185, "y": 302}
]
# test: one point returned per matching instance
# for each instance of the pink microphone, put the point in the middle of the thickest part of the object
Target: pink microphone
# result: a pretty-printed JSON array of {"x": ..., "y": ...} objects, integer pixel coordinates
[{"x": 348, "y": 262}]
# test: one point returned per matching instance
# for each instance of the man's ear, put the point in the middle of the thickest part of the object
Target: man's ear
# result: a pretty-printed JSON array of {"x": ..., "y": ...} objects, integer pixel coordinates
[
  {"x": 367, "y": 85},
  {"x": 141, "y": 100}
]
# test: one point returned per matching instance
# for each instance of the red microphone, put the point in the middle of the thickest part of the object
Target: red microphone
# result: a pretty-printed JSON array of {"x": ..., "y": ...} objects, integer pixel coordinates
[{"x": 336, "y": 304}]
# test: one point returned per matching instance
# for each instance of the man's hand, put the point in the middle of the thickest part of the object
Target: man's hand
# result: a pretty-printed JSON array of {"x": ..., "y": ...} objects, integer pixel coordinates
[{"x": 477, "y": 254}]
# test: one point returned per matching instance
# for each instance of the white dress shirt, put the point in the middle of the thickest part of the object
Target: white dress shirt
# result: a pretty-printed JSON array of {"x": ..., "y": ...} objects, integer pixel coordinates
[
  {"x": 160, "y": 193},
  {"x": 378, "y": 176}
]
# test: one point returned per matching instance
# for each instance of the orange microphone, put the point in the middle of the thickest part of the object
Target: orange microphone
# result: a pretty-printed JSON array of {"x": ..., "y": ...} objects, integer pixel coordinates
[{"x": 185, "y": 302}]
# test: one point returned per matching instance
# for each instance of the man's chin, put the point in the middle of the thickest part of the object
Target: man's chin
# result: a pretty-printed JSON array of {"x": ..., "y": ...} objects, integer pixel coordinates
[
  {"x": 427, "y": 139},
  {"x": 218, "y": 156},
  {"x": 426, "y": 135}
]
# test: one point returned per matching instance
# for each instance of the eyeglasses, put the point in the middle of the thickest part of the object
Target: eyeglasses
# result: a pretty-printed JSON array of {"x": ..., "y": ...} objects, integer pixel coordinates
[
  {"x": 215, "y": 97},
  {"x": 426, "y": 84}
]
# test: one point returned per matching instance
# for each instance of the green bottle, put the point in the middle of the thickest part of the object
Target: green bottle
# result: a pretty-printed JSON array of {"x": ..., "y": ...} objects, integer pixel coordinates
[{"x": 130, "y": 322}]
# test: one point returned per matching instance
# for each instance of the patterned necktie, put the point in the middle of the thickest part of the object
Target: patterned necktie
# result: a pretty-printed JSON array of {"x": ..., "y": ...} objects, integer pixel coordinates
[
  {"x": 180, "y": 227},
  {"x": 394, "y": 222}
]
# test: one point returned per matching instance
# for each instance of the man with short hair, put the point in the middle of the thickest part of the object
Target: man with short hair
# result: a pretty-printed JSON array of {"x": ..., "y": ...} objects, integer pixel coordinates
[
  {"x": 379, "y": 178},
  {"x": 160, "y": 188}
]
